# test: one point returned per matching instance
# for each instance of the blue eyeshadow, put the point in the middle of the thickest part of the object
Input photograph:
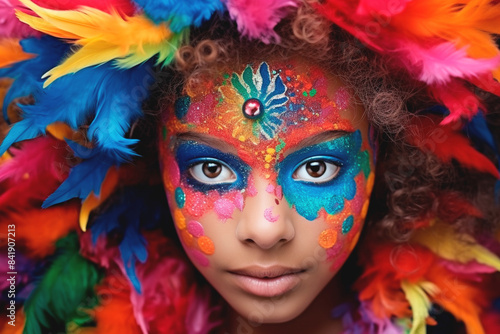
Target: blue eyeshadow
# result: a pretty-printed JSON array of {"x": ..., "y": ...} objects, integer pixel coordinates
[
  {"x": 190, "y": 153},
  {"x": 308, "y": 197}
]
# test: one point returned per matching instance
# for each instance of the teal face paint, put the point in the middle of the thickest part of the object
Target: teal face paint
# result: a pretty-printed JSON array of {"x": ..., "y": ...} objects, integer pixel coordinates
[
  {"x": 309, "y": 197},
  {"x": 180, "y": 197},
  {"x": 347, "y": 224}
]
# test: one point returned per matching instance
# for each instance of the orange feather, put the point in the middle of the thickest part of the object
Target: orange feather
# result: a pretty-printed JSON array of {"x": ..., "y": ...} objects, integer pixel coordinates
[{"x": 11, "y": 52}]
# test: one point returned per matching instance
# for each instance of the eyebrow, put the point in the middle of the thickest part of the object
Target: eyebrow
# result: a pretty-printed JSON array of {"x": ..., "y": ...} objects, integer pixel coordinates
[
  {"x": 208, "y": 140},
  {"x": 316, "y": 139}
]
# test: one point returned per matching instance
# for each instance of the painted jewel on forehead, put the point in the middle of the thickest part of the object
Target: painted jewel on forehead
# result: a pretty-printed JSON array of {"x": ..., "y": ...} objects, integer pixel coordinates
[{"x": 262, "y": 99}]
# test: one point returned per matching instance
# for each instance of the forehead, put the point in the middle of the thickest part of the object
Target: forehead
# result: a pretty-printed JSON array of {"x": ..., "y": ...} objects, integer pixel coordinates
[{"x": 293, "y": 100}]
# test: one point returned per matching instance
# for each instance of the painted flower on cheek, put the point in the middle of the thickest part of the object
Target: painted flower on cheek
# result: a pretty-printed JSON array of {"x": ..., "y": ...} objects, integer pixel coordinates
[{"x": 266, "y": 92}]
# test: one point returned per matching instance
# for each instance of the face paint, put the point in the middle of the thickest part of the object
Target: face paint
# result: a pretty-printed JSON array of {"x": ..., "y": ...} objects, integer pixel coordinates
[
  {"x": 244, "y": 140},
  {"x": 309, "y": 197}
]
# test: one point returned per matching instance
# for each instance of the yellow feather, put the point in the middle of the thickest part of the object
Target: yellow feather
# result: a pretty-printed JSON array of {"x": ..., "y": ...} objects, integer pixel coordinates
[
  {"x": 445, "y": 242},
  {"x": 103, "y": 37},
  {"x": 416, "y": 294}
]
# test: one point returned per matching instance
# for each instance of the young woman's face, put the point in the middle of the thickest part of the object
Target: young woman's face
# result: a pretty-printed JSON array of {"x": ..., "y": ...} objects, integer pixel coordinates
[{"x": 268, "y": 170}]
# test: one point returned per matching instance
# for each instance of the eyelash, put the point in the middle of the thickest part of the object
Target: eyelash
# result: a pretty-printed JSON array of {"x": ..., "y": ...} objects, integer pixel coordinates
[
  {"x": 225, "y": 174},
  {"x": 330, "y": 168}
]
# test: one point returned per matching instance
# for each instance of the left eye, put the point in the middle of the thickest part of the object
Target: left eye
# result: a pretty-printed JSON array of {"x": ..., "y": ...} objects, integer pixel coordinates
[
  {"x": 317, "y": 171},
  {"x": 212, "y": 172}
]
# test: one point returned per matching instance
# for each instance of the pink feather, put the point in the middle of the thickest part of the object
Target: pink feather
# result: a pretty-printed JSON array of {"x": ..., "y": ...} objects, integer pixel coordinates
[
  {"x": 10, "y": 26},
  {"x": 470, "y": 271},
  {"x": 257, "y": 18},
  {"x": 387, "y": 8},
  {"x": 440, "y": 63}
]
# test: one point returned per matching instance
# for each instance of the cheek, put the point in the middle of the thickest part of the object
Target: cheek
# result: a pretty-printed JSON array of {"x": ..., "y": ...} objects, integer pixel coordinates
[
  {"x": 344, "y": 228},
  {"x": 191, "y": 211}
]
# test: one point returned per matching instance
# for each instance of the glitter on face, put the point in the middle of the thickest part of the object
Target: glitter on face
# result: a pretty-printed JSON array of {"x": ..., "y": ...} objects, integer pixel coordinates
[
  {"x": 182, "y": 106},
  {"x": 268, "y": 214},
  {"x": 195, "y": 228},
  {"x": 296, "y": 105},
  {"x": 328, "y": 238},
  {"x": 342, "y": 97},
  {"x": 180, "y": 197},
  {"x": 309, "y": 198},
  {"x": 224, "y": 208},
  {"x": 347, "y": 224}
]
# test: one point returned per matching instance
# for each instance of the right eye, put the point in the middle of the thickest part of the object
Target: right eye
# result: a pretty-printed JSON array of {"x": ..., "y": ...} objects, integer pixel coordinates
[{"x": 212, "y": 172}]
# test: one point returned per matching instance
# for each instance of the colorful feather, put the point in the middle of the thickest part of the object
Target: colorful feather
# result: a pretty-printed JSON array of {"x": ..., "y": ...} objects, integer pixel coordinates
[
  {"x": 111, "y": 96},
  {"x": 65, "y": 289},
  {"x": 440, "y": 63},
  {"x": 115, "y": 313},
  {"x": 27, "y": 74},
  {"x": 257, "y": 19},
  {"x": 11, "y": 52},
  {"x": 32, "y": 174},
  {"x": 10, "y": 26},
  {"x": 93, "y": 201},
  {"x": 420, "y": 303},
  {"x": 125, "y": 7},
  {"x": 38, "y": 230},
  {"x": 180, "y": 14},
  {"x": 136, "y": 41},
  {"x": 447, "y": 144},
  {"x": 84, "y": 178},
  {"x": 449, "y": 245},
  {"x": 421, "y": 35}
]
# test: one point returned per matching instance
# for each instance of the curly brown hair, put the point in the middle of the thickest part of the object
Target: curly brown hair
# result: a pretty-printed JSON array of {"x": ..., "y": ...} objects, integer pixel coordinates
[{"x": 411, "y": 186}]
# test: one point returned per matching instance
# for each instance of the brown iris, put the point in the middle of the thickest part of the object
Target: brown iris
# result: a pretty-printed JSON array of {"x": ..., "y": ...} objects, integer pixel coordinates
[
  {"x": 211, "y": 169},
  {"x": 316, "y": 168}
]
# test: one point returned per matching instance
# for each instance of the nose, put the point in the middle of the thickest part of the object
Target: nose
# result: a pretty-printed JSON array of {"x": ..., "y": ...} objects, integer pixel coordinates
[{"x": 263, "y": 222}]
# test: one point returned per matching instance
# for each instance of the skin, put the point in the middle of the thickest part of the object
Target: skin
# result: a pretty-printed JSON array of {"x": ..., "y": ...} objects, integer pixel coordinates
[{"x": 288, "y": 189}]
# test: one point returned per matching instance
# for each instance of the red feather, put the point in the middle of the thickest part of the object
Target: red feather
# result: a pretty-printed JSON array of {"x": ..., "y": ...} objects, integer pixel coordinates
[
  {"x": 121, "y": 6},
  {"x": 447, "y": 144}
]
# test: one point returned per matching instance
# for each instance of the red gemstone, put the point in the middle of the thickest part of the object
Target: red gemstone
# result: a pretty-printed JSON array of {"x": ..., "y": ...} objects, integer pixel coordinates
[{"x": 252, "y": 108}]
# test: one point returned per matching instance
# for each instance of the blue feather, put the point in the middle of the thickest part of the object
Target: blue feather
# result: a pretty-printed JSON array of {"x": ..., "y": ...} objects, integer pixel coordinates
[
  {"x": 27, "y": 74},
  {"x": 111, "y": 96},
  {"x": 182, "y": 14},
  {"x": 85, "y": 177},
  {"x": 139, "y": 207}
]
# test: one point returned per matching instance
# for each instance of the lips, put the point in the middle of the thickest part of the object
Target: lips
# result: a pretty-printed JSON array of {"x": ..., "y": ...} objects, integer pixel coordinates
[{"x": 267, "y": 281}]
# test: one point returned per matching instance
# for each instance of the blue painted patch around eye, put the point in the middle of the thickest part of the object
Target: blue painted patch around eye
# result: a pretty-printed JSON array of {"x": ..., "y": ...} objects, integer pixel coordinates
[
  {"x": 347, "y": 224},
  {"x": 181, "y": 106},
  {"x": 190, "y": 153},
  {"x": 180, "y": 198},
  {"x": 308, "y": 197}
]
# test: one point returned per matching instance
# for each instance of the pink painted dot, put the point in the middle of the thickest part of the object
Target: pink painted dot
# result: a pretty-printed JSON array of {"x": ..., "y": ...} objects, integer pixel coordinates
[
  {"x": 270, "y": 188},
  {"x": 238, "y": 201},
  {"x": 195, "y": 228},
  {"x": 252, "y": 191},
  {"x": 268, "y": 214},
  {"x": 199, "y": 257},
  {"x": 279, "y": 192},
  {"x": 172, "y": 170},
  {"x": 224, "y": 208}
]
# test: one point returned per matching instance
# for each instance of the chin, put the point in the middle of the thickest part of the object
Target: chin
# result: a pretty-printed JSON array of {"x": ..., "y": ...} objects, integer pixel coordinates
[{"x": 269, "y": 311}]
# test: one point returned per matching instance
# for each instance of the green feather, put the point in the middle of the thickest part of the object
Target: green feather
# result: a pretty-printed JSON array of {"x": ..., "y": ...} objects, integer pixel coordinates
[{"x": 64, "y": 292}]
